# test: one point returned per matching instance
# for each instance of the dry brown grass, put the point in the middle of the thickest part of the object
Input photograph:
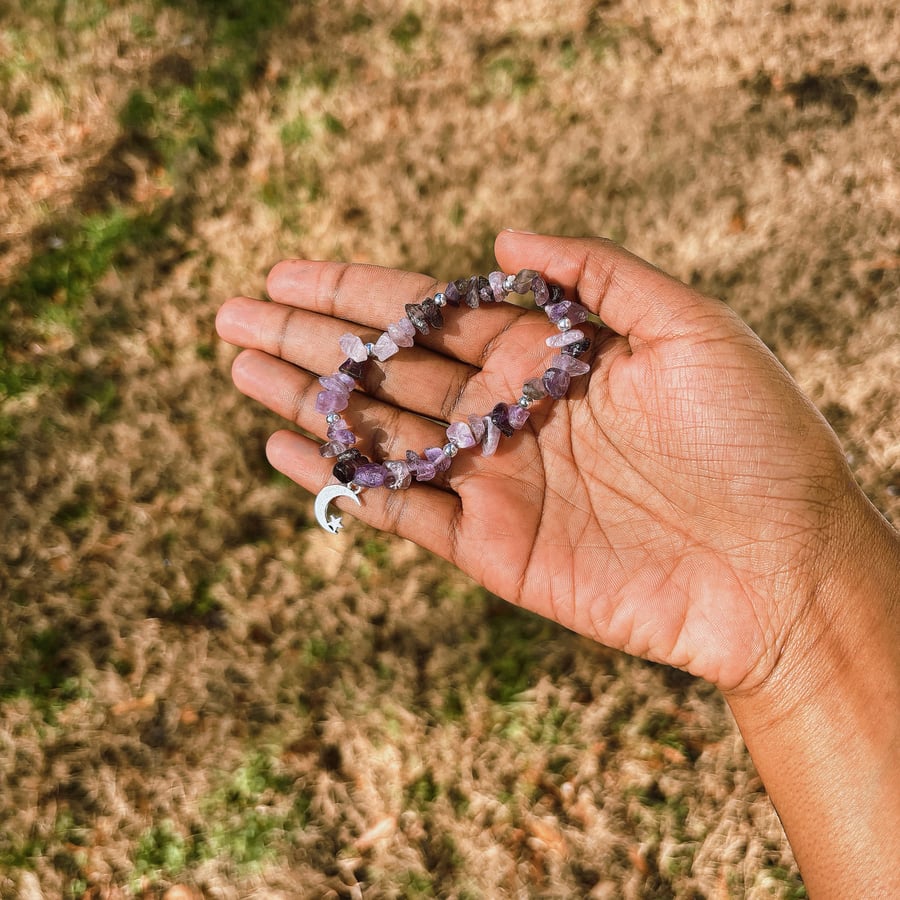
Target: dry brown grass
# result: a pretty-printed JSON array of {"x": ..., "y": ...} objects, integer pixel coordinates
[{"x": 198, "y": 688}]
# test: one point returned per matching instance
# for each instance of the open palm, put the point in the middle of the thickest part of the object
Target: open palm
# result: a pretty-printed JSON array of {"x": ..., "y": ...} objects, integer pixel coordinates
[{"x": 666, "y": 507}]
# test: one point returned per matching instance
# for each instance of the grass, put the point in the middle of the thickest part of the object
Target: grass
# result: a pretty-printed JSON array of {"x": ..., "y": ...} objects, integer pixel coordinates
[{"x": 195, "y": 686}]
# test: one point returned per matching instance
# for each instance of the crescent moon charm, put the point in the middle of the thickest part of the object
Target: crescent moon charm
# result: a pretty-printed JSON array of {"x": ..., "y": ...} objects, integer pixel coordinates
[{"x": 333, "y": 524}]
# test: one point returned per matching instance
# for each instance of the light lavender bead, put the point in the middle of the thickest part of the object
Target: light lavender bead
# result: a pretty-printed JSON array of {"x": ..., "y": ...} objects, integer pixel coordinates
[
  {"x": 338, "y": 382},
  {"x": 399, "y": 332},
  {"x": 571, "y": 336},
  {"x": 398, "y": 477},
  {"x": 385, "y": 347},
  {"x": 370, "y": 475},
  {"x": 570, "y": 364},
  {"x": 331, "y": 401},
  {"x": 460, "y": 433},
  {"x": 425, "y": 470},
  {"x": 518, "y": 415},
  {"x": 437, "y": 458},
  {"x": 567, "y": 309},
  {"x": 496, "y": 280},
  {"x": 540, "y": 289},
  {"x": 342, "y": 436},
  {"x": 491, "y": 437},
  {"x": 332, "y": 448},
  {"x": 353, "y": 347}
]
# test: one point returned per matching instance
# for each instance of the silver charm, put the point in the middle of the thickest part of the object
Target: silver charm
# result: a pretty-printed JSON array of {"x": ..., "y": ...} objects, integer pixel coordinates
[{"x": 333, "y": 524}]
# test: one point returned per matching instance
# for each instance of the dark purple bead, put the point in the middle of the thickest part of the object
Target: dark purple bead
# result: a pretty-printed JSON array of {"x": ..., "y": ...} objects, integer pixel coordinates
[
  {"x": 485, "y": 291},
  {"x": 473, "y": 295},
  {"x": 556, "y": 382},
  {"x": 416, "y": 314},
  {"x": 344, "y": 471},
  {"x": 352, "y": 368},
  {"x": 347, "y": 464},
  {"x": 452, "y": 293},
  {"x": 500, "y": 417},
  {"x": 557, "y": 294},
  {"x": 462, "y": 288},
  {"x": 577, "y": 348},
  {"x": 574, "y": 312},
  {"x": 432, "y": 313}
]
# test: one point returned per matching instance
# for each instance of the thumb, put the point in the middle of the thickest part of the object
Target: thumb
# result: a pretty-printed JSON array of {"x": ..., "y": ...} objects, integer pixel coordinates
[{"x": 629, "y": 295}]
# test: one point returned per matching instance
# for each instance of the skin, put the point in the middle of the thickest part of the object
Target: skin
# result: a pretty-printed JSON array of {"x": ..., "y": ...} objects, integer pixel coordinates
[{"x": 684, "y": 503}]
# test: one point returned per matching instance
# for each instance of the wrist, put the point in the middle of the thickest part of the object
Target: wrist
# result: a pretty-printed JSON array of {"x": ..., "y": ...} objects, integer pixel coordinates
[{"x": 824, "y": 728}]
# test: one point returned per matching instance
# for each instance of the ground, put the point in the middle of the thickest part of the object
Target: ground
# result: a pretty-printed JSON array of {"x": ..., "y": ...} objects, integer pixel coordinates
[{"x": 200, "y": 692}]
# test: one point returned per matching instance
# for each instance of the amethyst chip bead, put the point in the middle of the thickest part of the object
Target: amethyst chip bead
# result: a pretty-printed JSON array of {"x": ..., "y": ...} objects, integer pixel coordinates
[{"x": 556, "y": 382}]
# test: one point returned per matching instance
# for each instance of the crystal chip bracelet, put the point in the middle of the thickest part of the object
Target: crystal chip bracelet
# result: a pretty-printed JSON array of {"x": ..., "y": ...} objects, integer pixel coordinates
[{"x": 356, "y": 472}]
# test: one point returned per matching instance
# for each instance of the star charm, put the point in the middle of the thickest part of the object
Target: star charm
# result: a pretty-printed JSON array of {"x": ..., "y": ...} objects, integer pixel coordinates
[{"x": 335, "y": 524}]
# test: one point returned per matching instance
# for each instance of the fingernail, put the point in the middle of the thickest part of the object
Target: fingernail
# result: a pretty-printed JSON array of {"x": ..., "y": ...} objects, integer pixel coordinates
[{"x": 519, "y": 231}]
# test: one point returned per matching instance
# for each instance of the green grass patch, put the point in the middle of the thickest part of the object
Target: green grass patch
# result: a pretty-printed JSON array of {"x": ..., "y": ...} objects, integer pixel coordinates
[
  {"x": 513, "y": 651},
  {"x": 407, "y": 29},
  {"x": 252, "y": 815}
]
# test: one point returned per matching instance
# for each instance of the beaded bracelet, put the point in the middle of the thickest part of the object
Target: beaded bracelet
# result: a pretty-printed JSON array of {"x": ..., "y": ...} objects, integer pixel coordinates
[{"x": 356, "y": 472}]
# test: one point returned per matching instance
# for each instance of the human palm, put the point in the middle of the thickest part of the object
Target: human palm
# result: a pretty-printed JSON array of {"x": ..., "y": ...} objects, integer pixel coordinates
[{"x": 666, "y": 507}]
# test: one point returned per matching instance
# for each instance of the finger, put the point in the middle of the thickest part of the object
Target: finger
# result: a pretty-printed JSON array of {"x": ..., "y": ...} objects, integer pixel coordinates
[
  {"x": 628, "y": 294},
  {"x": 416, "y": 378},
  {"x": 425, "y": 515},
  {"x": 373, "y": 297},
  {"x": 385, "y": 431}
]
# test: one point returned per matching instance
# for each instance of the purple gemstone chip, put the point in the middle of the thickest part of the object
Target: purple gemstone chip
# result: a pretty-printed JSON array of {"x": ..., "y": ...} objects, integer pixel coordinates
[
  {"x": 491, "y": 437},
  {"x": 496, "y": 279},
  {"x": 534, "y": 389},
  {"x": 352, "y": 368},
  {"x": 337, "y": 382},
  {"x": 331, "y": 401},
  {"x": 500, "y": 417},
  {"x": 567, "y": 309},
  {"x": 540, "y": 290},
  {"x": 437, "y": 458},
  {"x": 518, "y": 415},
  {"x": 416, "y": 315},
  {"x": 370, "y": 475},
  {"x": 556, "y": 382},
  {"x": 573, "y": 335},
  {"x": 398, "y": 477},
  {"x": 461, "y": 435},
  {"x": 402, "y": 333},
  {"x": 570, "y": 364},
  {"x": 523, "y": 280}
]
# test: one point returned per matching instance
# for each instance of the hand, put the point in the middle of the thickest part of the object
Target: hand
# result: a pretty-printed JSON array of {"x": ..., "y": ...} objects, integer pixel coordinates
[{"x": 678, "y": 504}]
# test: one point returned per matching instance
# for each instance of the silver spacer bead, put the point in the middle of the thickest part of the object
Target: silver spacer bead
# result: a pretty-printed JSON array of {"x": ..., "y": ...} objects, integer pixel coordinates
[
  {"x": 440, "y": 299},
  {"x": 524, "y": 402},
  {"x": 331, "y": 418},
  {"x": 508, "y": 282},
  {"x": 370, "y": 348},
  {"x": 564, "y": 324},
  {"x": 450, "y": 449}
]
